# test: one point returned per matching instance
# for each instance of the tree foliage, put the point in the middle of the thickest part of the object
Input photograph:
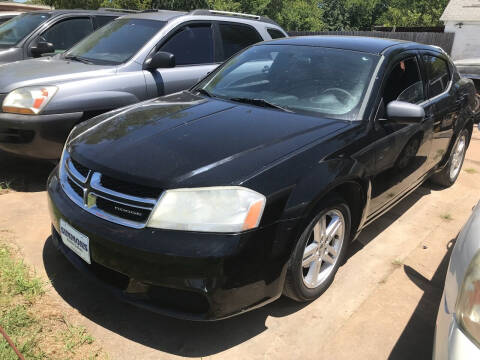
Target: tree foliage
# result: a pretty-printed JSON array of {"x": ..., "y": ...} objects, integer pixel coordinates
[
  {"x": 335, "y": 16},
  {"x": 295, "y": 14},
  {"x": 413, "y": 13}
]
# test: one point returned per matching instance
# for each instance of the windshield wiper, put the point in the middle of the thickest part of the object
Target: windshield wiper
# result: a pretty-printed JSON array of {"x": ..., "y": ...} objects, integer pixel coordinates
[
  {"x": 203, "y": 92},
  {"x": 260, "y": 102},
  {"x": 78, "y": 58}
]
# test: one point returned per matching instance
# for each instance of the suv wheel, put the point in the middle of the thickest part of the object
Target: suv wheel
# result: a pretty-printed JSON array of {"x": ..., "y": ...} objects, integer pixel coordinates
[{"x": 319, "y": 251}]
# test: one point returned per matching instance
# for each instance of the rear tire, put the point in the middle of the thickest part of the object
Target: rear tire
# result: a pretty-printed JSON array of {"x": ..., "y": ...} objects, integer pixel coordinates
[
  {"x": 451, "y": 171},
  {"x": 476, "y": 110},
  {"x": 320, "y": 251}
]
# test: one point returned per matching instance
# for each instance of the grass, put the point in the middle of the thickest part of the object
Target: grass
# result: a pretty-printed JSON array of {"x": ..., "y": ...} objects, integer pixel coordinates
[
  {"x": 75, "y": 336},
  {"x": 471, "y": 170},
  {"x": 446, "y": 216},
  {"x": 18, "y": 291},
  {"x": 38, "y": 329},
  {"x": 5, "y": 186}
]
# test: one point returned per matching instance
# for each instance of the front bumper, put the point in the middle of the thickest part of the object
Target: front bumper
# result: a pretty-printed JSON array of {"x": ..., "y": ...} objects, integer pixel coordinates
[
  {"x": 36, "y": 136},
  {"x": 196, "y": 276},
  {"x": 450, "y": 341}
]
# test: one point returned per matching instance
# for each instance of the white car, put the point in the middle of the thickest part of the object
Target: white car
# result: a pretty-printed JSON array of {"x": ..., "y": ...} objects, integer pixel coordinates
[{"x": 457, "y": 333}]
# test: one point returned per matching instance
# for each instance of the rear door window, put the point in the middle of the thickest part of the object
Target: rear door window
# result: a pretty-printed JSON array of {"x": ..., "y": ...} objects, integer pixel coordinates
[
  {"x": 236, "y": 37},
  {"x": 275, "y": 33},
  {"x": 65, "y": 34},
  {"x": 438, "y": 74},
  {"x": 191, "y": 45}
]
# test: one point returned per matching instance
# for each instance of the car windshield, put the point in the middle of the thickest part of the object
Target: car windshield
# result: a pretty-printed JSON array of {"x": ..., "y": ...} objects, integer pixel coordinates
[
  {"x": 116, "y": 42},
  {"x": 302, "y": 79},
  {"x": 14, "y": 30}
]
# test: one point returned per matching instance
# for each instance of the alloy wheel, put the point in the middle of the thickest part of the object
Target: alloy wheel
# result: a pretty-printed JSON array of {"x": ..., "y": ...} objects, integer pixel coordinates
[
  {"x": 322, "y": 249},
  {"x": 457, "y": 157}
]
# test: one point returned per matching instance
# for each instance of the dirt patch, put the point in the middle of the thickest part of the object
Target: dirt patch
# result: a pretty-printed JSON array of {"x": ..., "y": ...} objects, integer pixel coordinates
[{"x": 35, "y": 324}]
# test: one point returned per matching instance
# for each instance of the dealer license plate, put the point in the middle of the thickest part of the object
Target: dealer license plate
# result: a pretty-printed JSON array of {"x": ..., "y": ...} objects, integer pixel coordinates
[{"x": 75, "y": 241}]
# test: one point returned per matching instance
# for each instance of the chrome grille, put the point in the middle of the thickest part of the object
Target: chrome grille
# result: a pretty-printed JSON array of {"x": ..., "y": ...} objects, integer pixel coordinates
[{"x": 116, "y": 201}]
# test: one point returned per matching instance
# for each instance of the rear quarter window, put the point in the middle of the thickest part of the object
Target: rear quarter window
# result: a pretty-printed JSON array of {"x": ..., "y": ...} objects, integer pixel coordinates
[{"x": 275, "y": 33}]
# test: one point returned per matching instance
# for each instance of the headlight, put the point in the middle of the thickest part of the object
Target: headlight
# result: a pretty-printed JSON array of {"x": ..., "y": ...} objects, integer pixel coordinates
[
  {"x": 28, "y": 100},
  {"x": 468, "y": 302},
  {"x": 214, "y": 209}
]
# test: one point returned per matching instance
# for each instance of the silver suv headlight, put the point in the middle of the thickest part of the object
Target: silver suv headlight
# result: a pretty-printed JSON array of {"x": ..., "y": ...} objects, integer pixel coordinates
[
  {"x": 211, "y": 209},
  {"x": 29, "y": 100}
]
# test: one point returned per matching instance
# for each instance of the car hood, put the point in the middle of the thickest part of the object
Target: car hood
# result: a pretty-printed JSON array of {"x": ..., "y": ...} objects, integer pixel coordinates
[
  {"x": 46, "y": 71},
  {"x": 183, "y": 140}
]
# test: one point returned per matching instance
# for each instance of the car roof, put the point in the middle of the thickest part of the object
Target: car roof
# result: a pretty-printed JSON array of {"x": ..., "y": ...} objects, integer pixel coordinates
[
  {"x": 166, "y": 15},
  {"x": 355, "y": 43},
  {"x": 58, "y": 12},
  {"x": 161, "y": 15}
]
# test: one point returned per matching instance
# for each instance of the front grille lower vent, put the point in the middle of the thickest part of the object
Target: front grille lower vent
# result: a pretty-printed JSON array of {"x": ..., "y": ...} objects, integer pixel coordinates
[
  {"x": 16, "y": 136},
  {"x": 114, "y": 200}
]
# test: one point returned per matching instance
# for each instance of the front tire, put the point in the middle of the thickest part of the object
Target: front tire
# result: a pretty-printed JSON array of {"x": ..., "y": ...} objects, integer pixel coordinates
[
  {"x": 319, "y": 252},
  {"x": 451, "y": 171}
]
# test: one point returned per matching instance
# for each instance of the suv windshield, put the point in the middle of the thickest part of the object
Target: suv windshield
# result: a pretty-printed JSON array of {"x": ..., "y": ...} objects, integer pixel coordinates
[
  {"x": 14, "y": 30},
  {"x": 116, "y": 42},
  {"x": 303, "y": 79}
]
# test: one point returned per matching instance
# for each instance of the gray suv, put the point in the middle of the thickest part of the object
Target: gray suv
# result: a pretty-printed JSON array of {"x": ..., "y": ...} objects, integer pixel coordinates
[
  {"x": 133, "y": 58},
  {"x": 39, "y": 32}
]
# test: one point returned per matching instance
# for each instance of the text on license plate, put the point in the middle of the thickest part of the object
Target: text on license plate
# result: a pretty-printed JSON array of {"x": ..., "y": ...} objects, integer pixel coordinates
[{"x": 75, "y": 241}]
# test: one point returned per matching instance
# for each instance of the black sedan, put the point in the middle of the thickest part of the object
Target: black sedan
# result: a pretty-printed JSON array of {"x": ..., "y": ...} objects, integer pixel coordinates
[{"x": 214, "y": 201}]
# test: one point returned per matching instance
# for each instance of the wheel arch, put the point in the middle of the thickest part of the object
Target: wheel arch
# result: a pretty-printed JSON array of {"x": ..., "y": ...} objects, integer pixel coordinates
[
  {"x": 467, "y": 124},
  {"x": 354, "y": 191}
]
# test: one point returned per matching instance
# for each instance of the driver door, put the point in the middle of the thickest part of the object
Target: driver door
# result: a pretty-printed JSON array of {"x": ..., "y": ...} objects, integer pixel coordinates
[{"x": 401, "y": 150}]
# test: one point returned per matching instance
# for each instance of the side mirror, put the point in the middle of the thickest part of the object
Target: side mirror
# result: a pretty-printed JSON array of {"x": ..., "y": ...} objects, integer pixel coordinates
[
  {"x": 42, "y": 47},
  {"x": 161, "y": 60},
  {"x": 404, "y": 113}
]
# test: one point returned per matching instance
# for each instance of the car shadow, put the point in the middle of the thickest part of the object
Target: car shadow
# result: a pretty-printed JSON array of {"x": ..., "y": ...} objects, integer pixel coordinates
[
  {"x": 416, "y": 340},
  {"x": 22, "y": 174},
  {"x": 180, "y": 337}
]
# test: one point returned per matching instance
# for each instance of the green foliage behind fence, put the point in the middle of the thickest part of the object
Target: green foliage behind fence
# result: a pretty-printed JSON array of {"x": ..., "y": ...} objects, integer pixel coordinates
[{"x": 296, "y": 15}]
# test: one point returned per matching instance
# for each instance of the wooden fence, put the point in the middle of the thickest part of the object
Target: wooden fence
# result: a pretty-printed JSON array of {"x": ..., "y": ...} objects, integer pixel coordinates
[{"x": 444, "y": 40}]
